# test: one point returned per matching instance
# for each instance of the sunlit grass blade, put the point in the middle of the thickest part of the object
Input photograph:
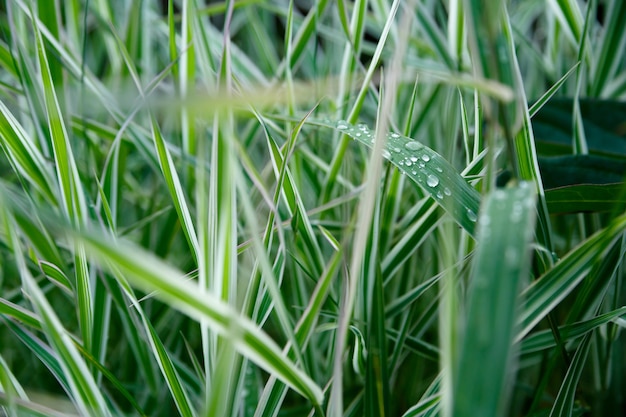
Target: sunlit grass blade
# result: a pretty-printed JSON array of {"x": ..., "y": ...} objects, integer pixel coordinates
[
  {"x": 151, "y": 274},
  {"x": 500, "y": 267}
]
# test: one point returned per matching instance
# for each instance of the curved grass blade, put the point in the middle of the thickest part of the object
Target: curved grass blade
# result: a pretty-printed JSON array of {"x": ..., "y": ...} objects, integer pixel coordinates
[
  {"x": 549, "y": 290},
  {"x": 151, "y": 274},
  {"x": 427, "y": 169},
  {"x": 537, "y": 105},
  {"x": 176, "y": 189},
  {"x": 10, "y": 389},
  {"x": 501, "y": 264},
  {"x": 544, "y": 339},
  {"x": 23, "y": 154},
  {"x": 564, "y": 404},
  {"x": 83, "y": 388},
  {"x": 430, "y": 403}
]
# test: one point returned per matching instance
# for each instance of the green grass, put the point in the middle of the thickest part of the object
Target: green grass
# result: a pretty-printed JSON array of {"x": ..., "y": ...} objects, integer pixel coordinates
[{"x": 257, "y": 208}]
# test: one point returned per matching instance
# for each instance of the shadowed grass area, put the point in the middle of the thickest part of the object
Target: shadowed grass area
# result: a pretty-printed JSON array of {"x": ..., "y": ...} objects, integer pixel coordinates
[{"x": 288, "y": 208}]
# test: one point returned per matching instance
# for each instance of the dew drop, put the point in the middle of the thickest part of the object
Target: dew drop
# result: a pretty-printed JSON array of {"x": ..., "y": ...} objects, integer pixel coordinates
[
  {"x": 414, "y": 172},
  {"x": 394, "y": 135},
  {"x": 425, "y": 158},
  {"x": 438, "y": 169},
  {"x": 413, "y": 146},
  {"x": 447, "y": 191},
  {"x": 358, "y": 134},
  {"x": 414, "y": 158},
  {"x": 342, "y": 125},
  {"x": 421, "y": 164},
  {"x": 471, "y": 215},
  {"x": 396, "y": 150},
  {"x": 362, "y": 126},
  {"x": 386, "y": 154},
  {"x": 439, "y": 195},
  {"x": 432, "y": 181},
  {"x": 408, "y": 162}
]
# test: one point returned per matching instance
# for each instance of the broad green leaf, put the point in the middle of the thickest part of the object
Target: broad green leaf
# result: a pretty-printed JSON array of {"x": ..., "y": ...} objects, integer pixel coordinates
[
  {"x": 500, "y": 267},
  {"x": 581, "y": 169},
  {"x": 602, "y": 119},
  {"x": 586, "y": 198}
]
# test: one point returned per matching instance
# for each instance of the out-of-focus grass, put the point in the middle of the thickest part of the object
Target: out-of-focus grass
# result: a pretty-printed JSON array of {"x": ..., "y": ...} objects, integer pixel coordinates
[{"x": 262, "y": 208}]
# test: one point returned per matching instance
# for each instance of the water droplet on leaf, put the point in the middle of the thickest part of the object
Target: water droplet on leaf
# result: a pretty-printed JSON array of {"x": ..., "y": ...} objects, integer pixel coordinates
[
  {"x": 413, "y": 146},
  {"x": 432, "y": 181}
]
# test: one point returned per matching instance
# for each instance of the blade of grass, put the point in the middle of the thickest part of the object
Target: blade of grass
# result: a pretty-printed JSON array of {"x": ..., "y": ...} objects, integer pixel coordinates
[
  {"x": 151, "y": 274},
  {"x": 82, "y": 387},
  {"x": 485, "y": 353},
  {"x": 72, "y": 194},
  {"x": 548, "y": 291},
  {"x": 564, "y": 404},
  {"x": 426, "y": 168}
]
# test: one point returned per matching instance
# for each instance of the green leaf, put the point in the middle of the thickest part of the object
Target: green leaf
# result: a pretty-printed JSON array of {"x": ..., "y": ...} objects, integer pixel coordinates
[
  {"x": 564, "y": 404},
  {"x": 501, "y": 264},
  {"x": 581, "y": 169},
  {"x": 586, "y": 198},
  {"x": 427, "y": 169},
  {"x": 151, "y": 274},
  {"x": 544, "y": 339},
  {"x": 550, "y": 289},
  {"x": 603, "y": 121}
]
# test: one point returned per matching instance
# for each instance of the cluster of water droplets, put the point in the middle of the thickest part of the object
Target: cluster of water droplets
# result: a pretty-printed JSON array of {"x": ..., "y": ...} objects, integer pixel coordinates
[{"x": 414, "y": 163}]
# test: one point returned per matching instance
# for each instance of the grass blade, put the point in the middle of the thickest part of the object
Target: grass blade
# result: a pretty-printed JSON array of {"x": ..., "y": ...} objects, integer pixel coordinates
[
  {"x": 485, "y": 356},
  {"x": 151, "y": 274}
]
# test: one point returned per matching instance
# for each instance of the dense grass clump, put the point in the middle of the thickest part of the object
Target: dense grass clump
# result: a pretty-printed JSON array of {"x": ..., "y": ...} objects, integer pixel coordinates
[{"x": 290, "y": 208}]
